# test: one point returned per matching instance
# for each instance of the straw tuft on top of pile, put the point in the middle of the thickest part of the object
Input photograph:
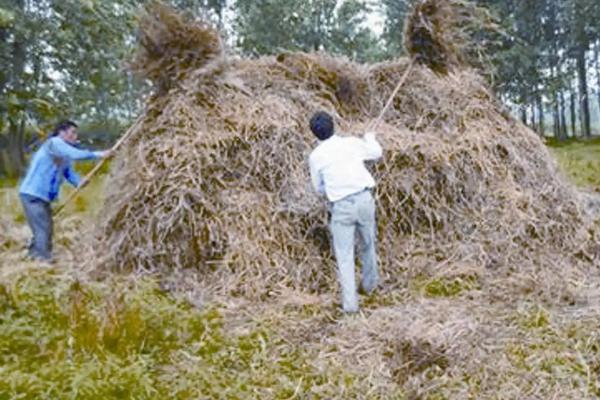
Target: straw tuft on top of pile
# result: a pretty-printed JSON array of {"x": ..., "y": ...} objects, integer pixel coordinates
[
  {"x": 172, "y": 44},
  {"x": 425, "y": 39},
  {"x": 439, "y": 34}
]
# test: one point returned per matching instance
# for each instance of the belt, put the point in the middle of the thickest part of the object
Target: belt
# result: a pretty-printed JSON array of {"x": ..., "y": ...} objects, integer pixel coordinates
[{"x": 367, "y": 189}]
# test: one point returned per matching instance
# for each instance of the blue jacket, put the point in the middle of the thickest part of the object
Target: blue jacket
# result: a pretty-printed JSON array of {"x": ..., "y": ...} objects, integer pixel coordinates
[{"x": 50, "y": 165}]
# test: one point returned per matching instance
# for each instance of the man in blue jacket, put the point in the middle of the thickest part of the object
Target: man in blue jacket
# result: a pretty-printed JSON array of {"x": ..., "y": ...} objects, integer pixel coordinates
[{"x": 50, "y": 165}]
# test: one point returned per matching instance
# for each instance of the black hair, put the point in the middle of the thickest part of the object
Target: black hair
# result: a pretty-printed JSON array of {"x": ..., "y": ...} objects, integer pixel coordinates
[
  {"x": 321, "y": 124},
  {"x": 63, "y": 126}
]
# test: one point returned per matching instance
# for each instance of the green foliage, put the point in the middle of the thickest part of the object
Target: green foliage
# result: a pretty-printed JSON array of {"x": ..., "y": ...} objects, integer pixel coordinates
[
  {"x": 538, "y": 55},
  {"x": 393, "y": 34},
  {"x": 7, "y": 18},
  {"x": 278, "y": 25},
  {"x": 67, "y": 59},
  {"x": 580, "y": 161},
  {"x": 445, "y": 286},
  {"x": 124, "y": 339},
  {"x": 62, "y": 60}
]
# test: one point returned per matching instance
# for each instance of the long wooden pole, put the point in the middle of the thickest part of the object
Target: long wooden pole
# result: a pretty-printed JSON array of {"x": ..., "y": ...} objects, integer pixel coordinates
[
  {"x": 390, "y": 101},
  {"x": 98, "y": 166}
]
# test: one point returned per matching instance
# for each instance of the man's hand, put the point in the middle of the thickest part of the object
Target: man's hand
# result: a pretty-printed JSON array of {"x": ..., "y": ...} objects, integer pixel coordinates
[
  {"x": 372, "y": 148},
  {"x": 105, "y": 154},
  {"x": 83, "y": 184}
]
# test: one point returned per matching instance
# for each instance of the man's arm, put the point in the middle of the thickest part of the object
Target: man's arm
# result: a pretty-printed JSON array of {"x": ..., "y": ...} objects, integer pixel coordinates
[
  {"x": 315, "y": 176},
  {"x": 72, "y": 177},
  {"x": 62, "y": 149},
  {"x": 371, "y": 148}
]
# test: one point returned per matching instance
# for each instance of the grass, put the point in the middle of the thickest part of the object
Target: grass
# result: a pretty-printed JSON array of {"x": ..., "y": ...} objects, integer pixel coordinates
[
  {"x": 123, "y": 339},
  {"x": 580, "y": 160},
  {"x": 444, "y": 286}
]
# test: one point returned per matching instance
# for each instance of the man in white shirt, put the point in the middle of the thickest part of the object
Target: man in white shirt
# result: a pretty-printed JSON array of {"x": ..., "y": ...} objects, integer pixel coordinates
[{"x": 338, "y": 171}]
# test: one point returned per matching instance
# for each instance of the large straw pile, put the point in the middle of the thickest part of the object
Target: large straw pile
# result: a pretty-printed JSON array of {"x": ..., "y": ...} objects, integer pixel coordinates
[{"x": 216, "y": 178}]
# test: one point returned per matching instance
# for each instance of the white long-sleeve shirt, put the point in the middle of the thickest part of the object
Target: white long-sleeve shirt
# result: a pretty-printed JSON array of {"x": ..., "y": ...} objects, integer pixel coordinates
[{"x": 337, "y": 167}]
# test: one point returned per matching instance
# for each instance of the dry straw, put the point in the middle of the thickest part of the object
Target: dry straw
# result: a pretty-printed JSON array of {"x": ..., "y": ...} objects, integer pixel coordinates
[{"x": 215, "y": 178}]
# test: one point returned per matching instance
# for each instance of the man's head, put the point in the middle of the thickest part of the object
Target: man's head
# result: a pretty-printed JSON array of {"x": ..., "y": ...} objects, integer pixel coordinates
[
  {"x": 66, "y": 130},
  {"x": 321, "y": 124}
]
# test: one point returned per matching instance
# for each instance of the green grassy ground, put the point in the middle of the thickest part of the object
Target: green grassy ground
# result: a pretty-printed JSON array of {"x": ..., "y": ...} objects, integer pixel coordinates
[
  {"x": 580, "y": 160},
  {"x": 127, "y": 339}
]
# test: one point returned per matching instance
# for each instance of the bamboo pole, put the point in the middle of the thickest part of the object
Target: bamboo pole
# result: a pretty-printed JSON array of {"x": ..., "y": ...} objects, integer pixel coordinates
[{"x": 390, "y": 101}]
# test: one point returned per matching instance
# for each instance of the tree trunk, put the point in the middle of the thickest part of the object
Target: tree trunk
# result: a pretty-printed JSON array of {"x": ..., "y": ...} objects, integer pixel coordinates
[
  {"x": 3, "y": 77},
  {"x": 130, "y": 97},
  {"x": 573, "y": 114},
  {"x": 540, "y": 108},
  {"x": 524, "y": 114},
  {"x": 555, "y": 111},
  {"x": 533, "y": 121},
  {"x": 584, "y": 103},
  {"x": 556, "y": 117},
  {"x": 3, "y": 163},
  {"x": 104, "y": 108},
  {"x": 564, "y": 134},
  {"x": 598, "y": 73},
  {"x": 14, "y": 158},
  {"x": 15, "y": 155}
]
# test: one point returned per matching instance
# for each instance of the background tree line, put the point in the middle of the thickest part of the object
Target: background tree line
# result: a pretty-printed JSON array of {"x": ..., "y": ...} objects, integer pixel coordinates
[{"x": 65, "y": 58}]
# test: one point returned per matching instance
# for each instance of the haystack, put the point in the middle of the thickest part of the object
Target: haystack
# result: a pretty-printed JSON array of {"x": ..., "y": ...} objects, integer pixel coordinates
[{"x": 216, "y": 177}]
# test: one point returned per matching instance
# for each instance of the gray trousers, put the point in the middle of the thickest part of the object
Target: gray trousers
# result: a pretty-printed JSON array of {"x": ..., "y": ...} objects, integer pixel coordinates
[
  {"x": 39, "y": 217},
  {"x": 352, "y": 213}
]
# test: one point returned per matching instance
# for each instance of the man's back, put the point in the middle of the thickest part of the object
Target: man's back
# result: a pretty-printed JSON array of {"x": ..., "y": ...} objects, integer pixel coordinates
[
  {"x": 49, "y": 165},
  {"x": 337, "y": 165}
]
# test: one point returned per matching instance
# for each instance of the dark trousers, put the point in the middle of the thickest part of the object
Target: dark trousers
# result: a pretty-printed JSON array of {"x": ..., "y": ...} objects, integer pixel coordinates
[{"x": 39, "y": 217}]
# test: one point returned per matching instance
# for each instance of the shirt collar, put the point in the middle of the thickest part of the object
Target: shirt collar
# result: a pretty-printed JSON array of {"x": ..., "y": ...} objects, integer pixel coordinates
[{"x": 333, "y": 137}]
